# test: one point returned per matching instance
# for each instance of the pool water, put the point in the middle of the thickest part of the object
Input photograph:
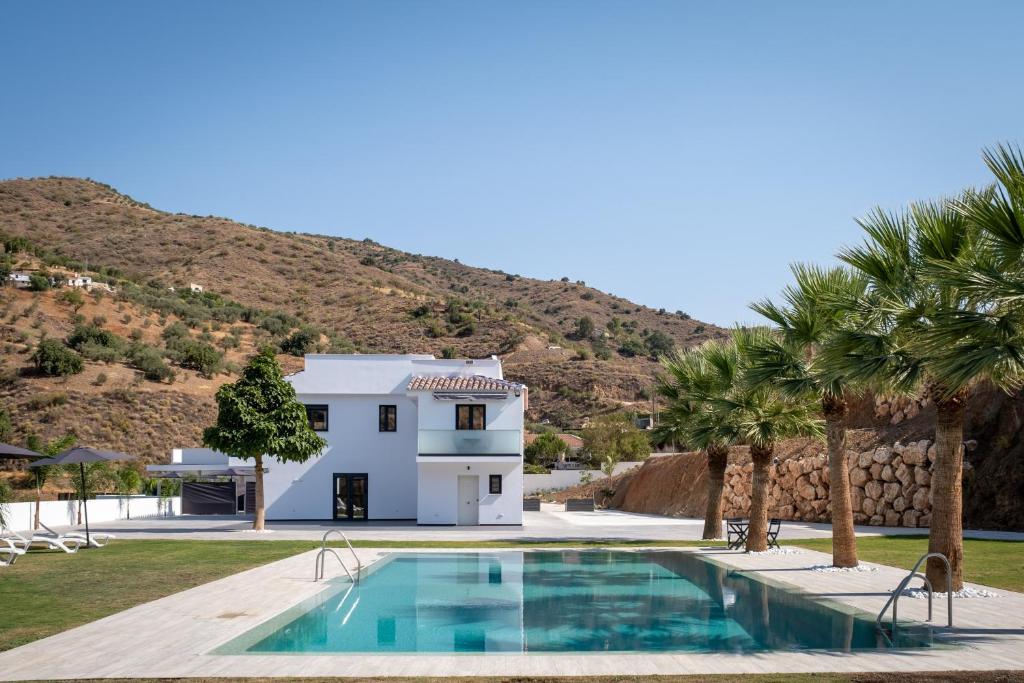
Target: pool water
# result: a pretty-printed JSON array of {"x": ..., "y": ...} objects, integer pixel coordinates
[{"x": 563, "y": 601}]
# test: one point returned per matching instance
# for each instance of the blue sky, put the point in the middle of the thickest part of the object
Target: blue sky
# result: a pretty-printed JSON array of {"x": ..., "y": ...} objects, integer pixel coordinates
[{"x": 680, "y": 154}]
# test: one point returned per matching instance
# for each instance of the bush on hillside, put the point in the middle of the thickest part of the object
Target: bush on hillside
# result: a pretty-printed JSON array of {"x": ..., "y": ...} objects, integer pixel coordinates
[
  {"x": 300, "y": 342},
  {"x": 54, "y": 359},
  {"x": 150, "y": 362},
  {"x": 199, "y": 356}
]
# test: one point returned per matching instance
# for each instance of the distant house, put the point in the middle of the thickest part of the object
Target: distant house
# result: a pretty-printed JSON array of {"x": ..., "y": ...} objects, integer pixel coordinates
[
  {"x": 77, "y": 280},
  {"x": 194, "y": 288},
  {"x": 20, "y": 280}
]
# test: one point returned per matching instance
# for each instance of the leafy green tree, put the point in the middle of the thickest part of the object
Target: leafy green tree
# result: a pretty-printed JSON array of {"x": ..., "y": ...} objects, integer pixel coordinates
[
  {"x": 615, "y": 436},
  {"x": 45, "y": 472},
  {"x": 258, "y": 415},
  {"x": 6, "y": 496},
  {"x": 73, "y": 298},
  {"x": 790, "y": 360},
  {"x": 54, "y": 359},
  {"x": 546, "y": 449},
  {"x": 127, "y": 481}
]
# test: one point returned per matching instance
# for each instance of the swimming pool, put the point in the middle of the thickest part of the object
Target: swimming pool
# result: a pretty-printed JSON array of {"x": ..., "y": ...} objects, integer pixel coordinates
[{"x": 562, "y": 601}]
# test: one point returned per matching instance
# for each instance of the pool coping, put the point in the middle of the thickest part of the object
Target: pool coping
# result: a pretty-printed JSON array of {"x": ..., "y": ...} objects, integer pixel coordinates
[{"x": 173, "y": 636}]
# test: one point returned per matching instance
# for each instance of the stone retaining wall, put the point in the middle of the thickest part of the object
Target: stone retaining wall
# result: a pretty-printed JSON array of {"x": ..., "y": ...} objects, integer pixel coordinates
[{"x": 891, "y": 486}]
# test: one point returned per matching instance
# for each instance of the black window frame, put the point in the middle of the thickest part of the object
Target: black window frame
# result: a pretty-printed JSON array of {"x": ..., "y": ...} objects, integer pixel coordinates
[
  {"x": 382, "y": 422},
  {"x": 472, "y": 409},
  {"x": 490, "y": 484},
  {"x": 327, "y": 413}
]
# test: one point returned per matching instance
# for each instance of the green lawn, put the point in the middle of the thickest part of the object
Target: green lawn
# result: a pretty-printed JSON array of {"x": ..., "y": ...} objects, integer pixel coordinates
[{"x": 999, "y": 564}]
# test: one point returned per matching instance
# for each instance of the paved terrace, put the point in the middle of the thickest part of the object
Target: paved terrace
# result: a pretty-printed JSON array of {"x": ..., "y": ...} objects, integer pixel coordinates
[
  {"x": 550, "y": 524},
  {"x": 175, "y": 636}
]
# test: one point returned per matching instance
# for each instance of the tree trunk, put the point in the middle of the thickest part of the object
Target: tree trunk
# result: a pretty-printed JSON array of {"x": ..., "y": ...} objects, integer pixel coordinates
[
  {"x": 844, "y": 539},
  {"x": 946, "y": 533},
  {"x": 718, "y": 457},
  {"x": 757, "y": 532},
  {"x": 258, "y": 521},
  {"x": 39, "y": 504}
]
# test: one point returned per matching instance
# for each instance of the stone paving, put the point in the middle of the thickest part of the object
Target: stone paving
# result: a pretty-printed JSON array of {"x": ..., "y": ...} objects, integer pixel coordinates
[
  {"x": 175, "y": 636},
  {"x": 551, "y": 523}
]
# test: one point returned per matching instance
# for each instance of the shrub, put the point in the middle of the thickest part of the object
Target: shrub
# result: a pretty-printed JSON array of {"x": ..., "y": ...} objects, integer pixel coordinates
[
  {"x": 530, "y": 468},
  {"x": 37, "y": 282},
  {"x": 150, "y": 362},
  {"x": 56, "y": 360},
  {"x": 5, "y": 425},
  {"x": 73, "y": 298},
  {"x": 101, "y": 379},
  {"x": 448, "y": 352},
  {"x": 632, "y": 347},
  {"x": 93, "y": 334},
  {"x": 41, "y": 401},
  {"x": 584, "y": 327},
  {"x": 201, "y": 357},
  {"x": 301, "y": 342},
  {"x": 659, "y": 344}
]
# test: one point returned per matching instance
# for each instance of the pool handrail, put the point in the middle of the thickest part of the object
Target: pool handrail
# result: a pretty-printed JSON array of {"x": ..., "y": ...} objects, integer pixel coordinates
[
  {"x": 895, "y": 596},
  {"x": 319, "y": 569}
]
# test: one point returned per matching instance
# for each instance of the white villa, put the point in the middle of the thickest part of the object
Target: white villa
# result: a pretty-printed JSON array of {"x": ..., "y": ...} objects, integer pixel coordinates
[{"x": 409, "y": 437}]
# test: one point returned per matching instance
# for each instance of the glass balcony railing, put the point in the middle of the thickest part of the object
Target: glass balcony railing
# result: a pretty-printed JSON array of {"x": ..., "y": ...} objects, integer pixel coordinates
[{"x": 470, "y": 442}]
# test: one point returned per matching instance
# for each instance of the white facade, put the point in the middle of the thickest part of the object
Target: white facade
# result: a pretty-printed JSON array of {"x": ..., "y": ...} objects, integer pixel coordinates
[
  {"x": 425, "y": 469},
  {"x": 77, "y": 280}
]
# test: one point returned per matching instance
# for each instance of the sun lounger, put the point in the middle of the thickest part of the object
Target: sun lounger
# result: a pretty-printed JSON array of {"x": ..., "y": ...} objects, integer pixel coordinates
[
  {"x": 67, "y": 544},
  {"x": 9, "y": 552},
  {"x": 95, "y": 540}
]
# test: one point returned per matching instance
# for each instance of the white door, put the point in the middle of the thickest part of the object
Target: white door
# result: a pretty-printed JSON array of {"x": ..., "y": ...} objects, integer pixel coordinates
[{"x": 469, "y": 500}]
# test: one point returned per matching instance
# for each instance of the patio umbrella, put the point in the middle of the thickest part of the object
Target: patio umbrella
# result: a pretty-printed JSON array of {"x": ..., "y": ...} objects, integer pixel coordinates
[
  {"x": 80, "y": 456},
  {"x": 9, "y": 452}
]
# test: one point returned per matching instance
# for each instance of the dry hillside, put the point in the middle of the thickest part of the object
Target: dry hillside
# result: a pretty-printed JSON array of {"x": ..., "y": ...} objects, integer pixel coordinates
[{"x": 356, "y": 295}]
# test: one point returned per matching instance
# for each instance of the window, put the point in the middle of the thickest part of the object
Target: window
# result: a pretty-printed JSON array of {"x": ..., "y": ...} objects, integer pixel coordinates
[
  {"x": 387, "y": 420},
  {"x": 495, "y": 483},
  {"x": 317, "y": 416},
  {"x": 471, "y": 417}
]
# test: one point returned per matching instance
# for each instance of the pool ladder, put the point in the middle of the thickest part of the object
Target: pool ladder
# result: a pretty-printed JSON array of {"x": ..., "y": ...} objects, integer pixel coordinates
[
  {"x": 318, "y": 572},
  {"x": 895, "y": 597}
]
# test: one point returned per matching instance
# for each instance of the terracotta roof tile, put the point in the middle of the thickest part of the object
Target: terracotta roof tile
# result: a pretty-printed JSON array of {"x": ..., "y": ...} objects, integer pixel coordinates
[{"x": 460, "y": 383}]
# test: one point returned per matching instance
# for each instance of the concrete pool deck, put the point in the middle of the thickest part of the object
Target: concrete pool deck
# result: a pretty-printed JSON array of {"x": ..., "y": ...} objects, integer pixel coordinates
[
  {"x": 174, "y": 636},
  {"x": 550, "y": 524}
]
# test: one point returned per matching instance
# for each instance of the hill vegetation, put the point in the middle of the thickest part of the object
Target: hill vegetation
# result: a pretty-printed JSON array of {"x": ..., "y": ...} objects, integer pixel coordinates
[{"x": 136, "y": 368}]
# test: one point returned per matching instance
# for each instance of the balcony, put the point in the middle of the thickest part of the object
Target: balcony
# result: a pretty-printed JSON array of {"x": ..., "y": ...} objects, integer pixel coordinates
[{"x": 476, "y": 442}]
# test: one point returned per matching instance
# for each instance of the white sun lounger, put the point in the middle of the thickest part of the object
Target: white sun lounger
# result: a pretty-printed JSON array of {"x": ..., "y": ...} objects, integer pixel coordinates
[
  {"x": 67, "y": 544},
  {"x": 9, "y": 552},
  {"x": 96, "y": 540}
]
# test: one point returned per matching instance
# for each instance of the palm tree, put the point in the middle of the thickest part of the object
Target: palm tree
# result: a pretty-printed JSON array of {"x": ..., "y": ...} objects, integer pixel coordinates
[
  {"x": 983, "y": 337},
  {"x": 759, "y": 415},
  {"x": 789, "y": 360},
  {"x": 693, "y": 377},
  {"x": 894, "y": 350},
  {"x": 728, "y": 409}
]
